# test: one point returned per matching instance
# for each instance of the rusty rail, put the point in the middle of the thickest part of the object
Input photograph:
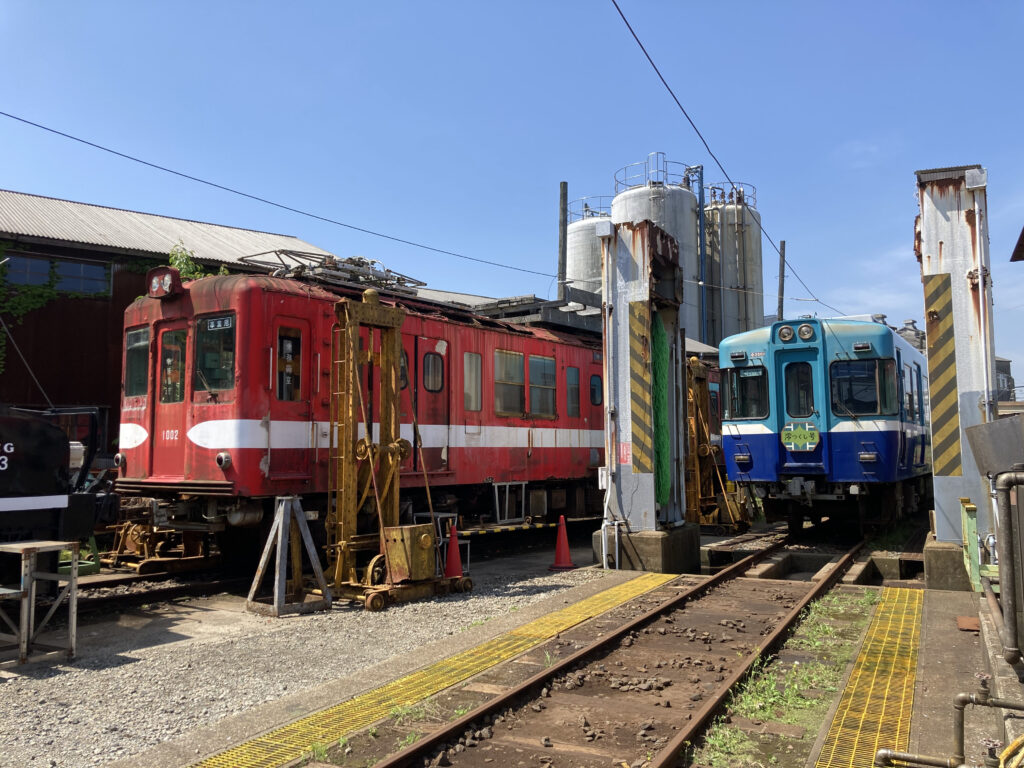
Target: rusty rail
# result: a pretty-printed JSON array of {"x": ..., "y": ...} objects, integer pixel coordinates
[{"x": 430, "y": 743}]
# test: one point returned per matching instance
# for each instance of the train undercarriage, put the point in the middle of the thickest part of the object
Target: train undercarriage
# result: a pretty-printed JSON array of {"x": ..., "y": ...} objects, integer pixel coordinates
[{"x": 867, "y": 506}]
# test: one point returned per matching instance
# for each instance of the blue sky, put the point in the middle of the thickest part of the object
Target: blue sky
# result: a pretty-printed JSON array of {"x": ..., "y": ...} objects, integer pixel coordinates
[{"x": 452, "y": 123}]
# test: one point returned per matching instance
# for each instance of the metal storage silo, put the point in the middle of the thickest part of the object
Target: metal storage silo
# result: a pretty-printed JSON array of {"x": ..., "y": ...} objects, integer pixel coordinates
[
  {"x": 733, "y": 228},
  {"x": 583, "y": 247},
  {"x": 658, "y": 190}
]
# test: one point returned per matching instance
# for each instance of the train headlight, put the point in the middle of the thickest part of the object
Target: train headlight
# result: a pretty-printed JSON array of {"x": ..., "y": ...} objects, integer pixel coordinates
[
  {"x": 786, "y": 333},
  {"x": 118, "y": 460},
  {"x": 805, "y": 331},
  {"x": 223, "y": 459},
  {"x": 164, "y": 282}
]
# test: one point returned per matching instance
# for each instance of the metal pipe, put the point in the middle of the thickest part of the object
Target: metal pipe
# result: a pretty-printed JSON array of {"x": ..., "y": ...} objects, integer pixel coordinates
[
  {"x": 986, "y": 333},
  {"x": 993, "y": 605},
  {"x": 886, "y": 757},
  {"x": 701, "y": 236},
  {"x": 563, "y": 229},
  {"x": 1005, "y": 481},
  {"x": 980, "y": 699}
]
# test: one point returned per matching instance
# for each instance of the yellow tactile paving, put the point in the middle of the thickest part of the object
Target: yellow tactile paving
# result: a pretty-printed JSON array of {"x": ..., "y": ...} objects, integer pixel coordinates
[
  {"x": 292, "y": 741},
  {"x": 876, "y": 705}
]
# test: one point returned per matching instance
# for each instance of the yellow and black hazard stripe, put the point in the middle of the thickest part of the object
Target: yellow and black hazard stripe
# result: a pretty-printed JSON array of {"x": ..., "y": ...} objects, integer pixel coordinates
[
  {"x": 641, "y": 407},
  {"x": 938, "y": 307}
]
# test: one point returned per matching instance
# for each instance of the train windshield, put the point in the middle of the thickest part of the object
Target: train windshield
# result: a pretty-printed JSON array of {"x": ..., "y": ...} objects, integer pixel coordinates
[
  {"x": 215, "y": 353},
  {"x": 864, "y": 387},
  {"x": 746, "y": 393}
]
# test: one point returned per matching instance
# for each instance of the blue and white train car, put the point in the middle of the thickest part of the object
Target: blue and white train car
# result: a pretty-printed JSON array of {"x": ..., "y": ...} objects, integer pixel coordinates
[{"x": 826, "y": 417}]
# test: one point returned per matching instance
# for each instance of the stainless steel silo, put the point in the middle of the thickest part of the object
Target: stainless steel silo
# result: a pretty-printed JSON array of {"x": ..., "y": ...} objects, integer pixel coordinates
[
  {"x": 583, "y": 247},
  {"x": 735, "y": 279},
  {"x": 658, "y": 190}
]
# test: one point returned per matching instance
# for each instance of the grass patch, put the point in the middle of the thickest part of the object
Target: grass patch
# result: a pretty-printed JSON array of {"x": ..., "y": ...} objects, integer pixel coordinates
[
  {"x": 792, "y": 692},
  {"x": 408, "y": 714},
  {"x": 408, "y": 740}
]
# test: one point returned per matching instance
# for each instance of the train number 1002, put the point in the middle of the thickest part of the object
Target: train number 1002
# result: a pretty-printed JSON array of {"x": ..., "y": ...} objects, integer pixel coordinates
[{"x": 170, "y": 434}]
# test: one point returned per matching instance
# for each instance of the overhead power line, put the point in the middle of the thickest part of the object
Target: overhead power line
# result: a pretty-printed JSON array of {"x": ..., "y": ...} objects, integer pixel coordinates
[
  {"x": 712, "y": 154},
  {"x": 265, "y": 201}
]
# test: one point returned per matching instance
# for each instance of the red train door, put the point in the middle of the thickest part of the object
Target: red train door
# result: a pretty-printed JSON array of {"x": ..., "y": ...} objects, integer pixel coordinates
[
  {"x": 168, "y": 434},
  {"x": 291, "y": 414},
  {"x": 432, "y": 395}
]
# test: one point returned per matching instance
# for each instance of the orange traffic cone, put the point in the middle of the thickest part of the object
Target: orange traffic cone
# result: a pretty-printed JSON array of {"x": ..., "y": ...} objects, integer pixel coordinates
[
  {"x": 563, "y": 562},
  {"x": 453, "y": 564}
]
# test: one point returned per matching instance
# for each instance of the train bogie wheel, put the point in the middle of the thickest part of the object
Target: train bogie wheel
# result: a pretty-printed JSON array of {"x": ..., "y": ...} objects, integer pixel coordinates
[
  {"x": 465, "y": 584},
  {"x": 374, "y": 601}
]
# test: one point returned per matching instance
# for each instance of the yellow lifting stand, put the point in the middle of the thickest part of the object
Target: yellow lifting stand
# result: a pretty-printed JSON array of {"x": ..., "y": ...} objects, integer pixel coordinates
[
  {"x": 370, "y": 557},
  {"x": 709, "y": 501}
]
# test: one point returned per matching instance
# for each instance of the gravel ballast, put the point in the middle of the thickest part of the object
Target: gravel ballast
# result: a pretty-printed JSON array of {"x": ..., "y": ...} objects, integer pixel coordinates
[{"x": 154, "y": 674}]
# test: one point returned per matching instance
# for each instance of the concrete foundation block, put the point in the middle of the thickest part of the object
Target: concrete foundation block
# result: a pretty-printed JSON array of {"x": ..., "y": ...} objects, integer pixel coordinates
[
  {"x": 944, "y": 566},
  {"x": 673, "y": 551}
]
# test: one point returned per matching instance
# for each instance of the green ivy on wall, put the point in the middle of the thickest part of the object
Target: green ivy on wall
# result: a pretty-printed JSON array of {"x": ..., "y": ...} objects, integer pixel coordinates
[{"x": 18, "y": 301}]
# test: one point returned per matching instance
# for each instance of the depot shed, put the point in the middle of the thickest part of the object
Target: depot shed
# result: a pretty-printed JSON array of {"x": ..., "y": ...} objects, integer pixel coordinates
[{"x": 71, "y": 270}]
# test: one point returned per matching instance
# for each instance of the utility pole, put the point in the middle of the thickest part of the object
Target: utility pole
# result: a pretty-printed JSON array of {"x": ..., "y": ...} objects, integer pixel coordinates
[
  {"x": 563, "y": 225},
  {"x": 782, "y": 276}
]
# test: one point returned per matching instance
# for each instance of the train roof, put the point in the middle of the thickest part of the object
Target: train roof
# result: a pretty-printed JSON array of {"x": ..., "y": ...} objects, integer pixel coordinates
[
  {"x": 218, "y": 285},
  {"x": 836, "y": 332}
]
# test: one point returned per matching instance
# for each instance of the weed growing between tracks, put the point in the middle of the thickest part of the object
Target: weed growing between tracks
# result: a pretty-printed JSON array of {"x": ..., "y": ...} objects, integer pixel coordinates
[{"x": 775, "y": 717}]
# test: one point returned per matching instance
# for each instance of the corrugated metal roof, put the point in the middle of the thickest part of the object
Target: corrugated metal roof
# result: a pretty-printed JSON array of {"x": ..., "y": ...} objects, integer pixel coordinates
[{"x": 48, "y": 218}]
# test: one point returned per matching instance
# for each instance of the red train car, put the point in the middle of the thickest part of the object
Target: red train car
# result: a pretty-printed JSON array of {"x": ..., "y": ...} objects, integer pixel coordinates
[{"x": 226, "y": 400}]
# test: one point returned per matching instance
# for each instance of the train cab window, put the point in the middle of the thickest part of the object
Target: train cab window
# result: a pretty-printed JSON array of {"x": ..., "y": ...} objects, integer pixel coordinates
[
  {"x": 403, "y": 371},
  {"x": 509, "y": 383},
  {"x": 136, "y": 362},
  {"x": 472, "y": 394},
  {"x": 572, "y": 391},
  {"x": 172, "y": 366},
  {"x": 215, "y": 354},
  {"x": 289, "y": 364},
  {"x": 433, "y": 372},
  {"x": 596, "y": 392},
  {"x": 864, "y": 387},
  {"x": 799, "y": 390},
  {"x": 542, "y": 386},
  {"x": 746, "y": 393}
]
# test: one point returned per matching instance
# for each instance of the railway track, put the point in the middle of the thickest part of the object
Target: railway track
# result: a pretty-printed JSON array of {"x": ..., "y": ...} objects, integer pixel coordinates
[{"x": 640, "y": 691}]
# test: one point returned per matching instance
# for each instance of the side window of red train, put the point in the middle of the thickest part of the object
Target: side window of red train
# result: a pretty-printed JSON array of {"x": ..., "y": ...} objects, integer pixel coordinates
[
  {"x": 403, "y": 370},
  {"x": 136, "y": 362},
  {"x": 542, "y": 386},
  {"x": 572, "y": 391},
  {"x": 509, "y": 383},
  {"x": 596, "y": 393},
  {"x": 433, "y": 372},
  {"x": 472, "y": 397},
  {"x": 172, "y": 366},
  {"x": 215, "y": 354},
  {"x": 289, "y": 364}
]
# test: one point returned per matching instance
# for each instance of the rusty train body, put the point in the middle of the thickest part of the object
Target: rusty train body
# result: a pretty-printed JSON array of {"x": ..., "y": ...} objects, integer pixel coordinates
[{"x": 227, "y": 391}]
